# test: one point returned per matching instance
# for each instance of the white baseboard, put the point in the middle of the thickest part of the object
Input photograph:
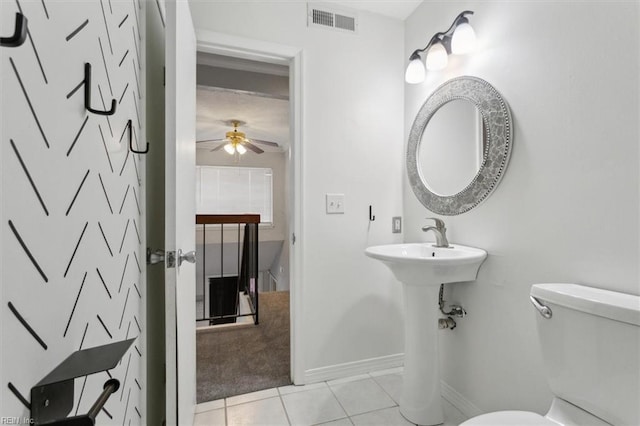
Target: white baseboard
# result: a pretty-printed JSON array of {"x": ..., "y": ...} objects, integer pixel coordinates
[
  {"x": 456, "y": 399},
  {"x": 348, "y": 369}
]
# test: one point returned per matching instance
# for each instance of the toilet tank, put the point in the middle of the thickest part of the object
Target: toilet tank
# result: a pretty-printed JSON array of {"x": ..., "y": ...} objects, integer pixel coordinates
[{"x": 591, "y": 349}]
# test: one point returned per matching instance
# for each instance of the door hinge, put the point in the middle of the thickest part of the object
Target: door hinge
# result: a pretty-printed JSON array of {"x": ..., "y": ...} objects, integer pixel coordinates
[
  {"x": 164, "y": 76},
  {"x": 293, "y": 238}
]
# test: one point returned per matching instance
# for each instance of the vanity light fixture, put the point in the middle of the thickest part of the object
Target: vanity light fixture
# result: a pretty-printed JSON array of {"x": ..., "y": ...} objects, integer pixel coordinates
[{"x": 458, "y": 39}]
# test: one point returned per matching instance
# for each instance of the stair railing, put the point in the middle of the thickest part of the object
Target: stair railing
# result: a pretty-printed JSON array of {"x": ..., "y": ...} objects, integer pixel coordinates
[{"x": 245, "y": 281}]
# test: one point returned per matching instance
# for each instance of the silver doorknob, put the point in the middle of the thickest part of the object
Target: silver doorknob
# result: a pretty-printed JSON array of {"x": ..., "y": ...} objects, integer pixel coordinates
[{"x": 188, "y": 257}]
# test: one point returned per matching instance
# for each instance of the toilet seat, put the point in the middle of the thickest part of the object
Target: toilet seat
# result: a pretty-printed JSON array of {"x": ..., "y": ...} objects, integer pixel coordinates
[
  {"x": 560, "y": 413},
  {"x": 509, "y": 418}
]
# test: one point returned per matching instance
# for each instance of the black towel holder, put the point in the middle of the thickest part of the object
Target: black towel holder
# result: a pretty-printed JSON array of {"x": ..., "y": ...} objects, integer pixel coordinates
[
  {"x": 19, "y": 33},
  {"x": 52, "y": 397},
  {"x": 87, "y": 94}
]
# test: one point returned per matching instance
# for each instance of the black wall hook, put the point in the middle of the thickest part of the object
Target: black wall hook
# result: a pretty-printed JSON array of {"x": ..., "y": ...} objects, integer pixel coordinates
[
  {"x": 87, "y": 94},
  {"x": 371, "y": 215},
  {"x": 131, "y": 148},
  {"x": 19, "y": 34}
]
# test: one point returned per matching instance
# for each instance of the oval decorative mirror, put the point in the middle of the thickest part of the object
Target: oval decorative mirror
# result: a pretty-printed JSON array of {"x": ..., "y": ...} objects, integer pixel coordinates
[{"x": 459, "y": 145}]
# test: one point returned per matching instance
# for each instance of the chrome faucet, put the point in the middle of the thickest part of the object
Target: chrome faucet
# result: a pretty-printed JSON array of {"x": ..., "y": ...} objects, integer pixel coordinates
[{"x": 440, "y": 230}]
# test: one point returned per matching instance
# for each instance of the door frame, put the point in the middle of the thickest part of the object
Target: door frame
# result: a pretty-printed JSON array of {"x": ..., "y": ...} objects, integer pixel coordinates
[
  {"x": 179, "y": 212},
  {"x": 258, "y": 50}
]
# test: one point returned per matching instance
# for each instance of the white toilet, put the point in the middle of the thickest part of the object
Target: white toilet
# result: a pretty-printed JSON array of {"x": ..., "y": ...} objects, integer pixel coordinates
[{"x": 590, "y": 341}]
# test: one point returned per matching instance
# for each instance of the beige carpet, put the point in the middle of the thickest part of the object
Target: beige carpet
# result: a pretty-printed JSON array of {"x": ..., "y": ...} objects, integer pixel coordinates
[{"x": 237, "y": 360}]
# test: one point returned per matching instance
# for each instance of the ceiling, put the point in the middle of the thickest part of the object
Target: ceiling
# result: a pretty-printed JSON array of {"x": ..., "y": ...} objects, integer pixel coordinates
[
  {"x": 399, "y": 9},
  {"x": 266, "y": 117}
]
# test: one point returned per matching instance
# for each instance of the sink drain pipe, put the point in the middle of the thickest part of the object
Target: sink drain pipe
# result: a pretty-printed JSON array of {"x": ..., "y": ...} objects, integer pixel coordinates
[{"x": 455, "y": 310}]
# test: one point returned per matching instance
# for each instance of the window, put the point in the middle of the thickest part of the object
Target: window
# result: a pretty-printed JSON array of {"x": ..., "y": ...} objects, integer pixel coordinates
[{"x": 235, "y": 190}]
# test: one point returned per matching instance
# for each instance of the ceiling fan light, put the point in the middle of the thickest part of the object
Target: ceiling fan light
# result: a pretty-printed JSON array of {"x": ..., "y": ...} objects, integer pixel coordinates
[
  {"x": 241, "y": 149},
  {"x": 230, "y": 149}
]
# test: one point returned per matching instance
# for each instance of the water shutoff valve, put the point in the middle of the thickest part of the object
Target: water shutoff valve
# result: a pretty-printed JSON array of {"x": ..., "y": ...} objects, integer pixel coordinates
[
  {"x": 457, "y": 311},
  {"x": 448, "y": 322}
]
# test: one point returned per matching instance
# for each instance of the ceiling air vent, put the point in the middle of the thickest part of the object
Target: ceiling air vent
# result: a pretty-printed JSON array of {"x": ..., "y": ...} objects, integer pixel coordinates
[
  {"x": 345, "y": 22},
  {"x": 328, "y": 16}
]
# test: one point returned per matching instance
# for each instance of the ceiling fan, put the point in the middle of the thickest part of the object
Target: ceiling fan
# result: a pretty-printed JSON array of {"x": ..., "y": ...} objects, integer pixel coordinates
[{"x": 236, "y": 141}]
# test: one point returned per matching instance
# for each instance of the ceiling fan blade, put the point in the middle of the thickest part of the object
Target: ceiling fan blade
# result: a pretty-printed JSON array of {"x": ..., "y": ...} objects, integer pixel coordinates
[
  {"x": 252, "y": 147},
  {"x": 217, "y": 147},
  {"x": 211, "y": 140},
  {"x": 263, "y": 142}
]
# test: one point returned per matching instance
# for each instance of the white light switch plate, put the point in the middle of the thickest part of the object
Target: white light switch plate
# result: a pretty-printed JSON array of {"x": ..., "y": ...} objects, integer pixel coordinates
[{"x": 335, "y": 203}]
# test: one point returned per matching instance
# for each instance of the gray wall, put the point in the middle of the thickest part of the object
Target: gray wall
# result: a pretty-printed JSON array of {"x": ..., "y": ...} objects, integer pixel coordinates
[{"x": 242, "y": 80}]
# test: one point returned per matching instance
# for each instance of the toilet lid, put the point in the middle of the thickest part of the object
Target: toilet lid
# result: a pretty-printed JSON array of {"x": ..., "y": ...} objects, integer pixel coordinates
[{"x": 505, "y": 418}]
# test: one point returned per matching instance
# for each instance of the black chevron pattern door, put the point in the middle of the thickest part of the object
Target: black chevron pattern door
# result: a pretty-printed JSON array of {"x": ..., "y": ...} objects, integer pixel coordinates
[{"x": 72, "y": 218}]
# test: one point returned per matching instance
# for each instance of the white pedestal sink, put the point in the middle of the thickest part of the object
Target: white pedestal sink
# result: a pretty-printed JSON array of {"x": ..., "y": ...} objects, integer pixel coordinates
[{"x": 421, "y": 268}]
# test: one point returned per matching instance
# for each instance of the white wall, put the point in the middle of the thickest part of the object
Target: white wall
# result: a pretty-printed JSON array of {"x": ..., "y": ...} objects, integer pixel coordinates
[
  {"x": 352, "y": 144},
  {"x": 567, "y": 207}
]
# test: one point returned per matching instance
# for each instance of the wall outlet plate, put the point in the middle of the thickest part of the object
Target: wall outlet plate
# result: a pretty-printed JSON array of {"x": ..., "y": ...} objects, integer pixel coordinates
[
  {"x": 335, "y": 203},
  {"x": 396, "y": 224}
]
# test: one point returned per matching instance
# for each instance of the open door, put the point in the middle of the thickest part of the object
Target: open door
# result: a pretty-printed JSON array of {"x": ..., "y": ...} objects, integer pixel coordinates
[{"x": 180, "y": 128}]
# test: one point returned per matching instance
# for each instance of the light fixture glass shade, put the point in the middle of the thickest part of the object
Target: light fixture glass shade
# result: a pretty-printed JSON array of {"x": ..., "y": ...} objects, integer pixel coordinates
[
  {"x": 415, "y": 71},
  {"x": 230, "y": 148},
  {"x": 464, "y": 39},
  {"x": 241, "y": 149},
  {"x": 437, "y": 57}
]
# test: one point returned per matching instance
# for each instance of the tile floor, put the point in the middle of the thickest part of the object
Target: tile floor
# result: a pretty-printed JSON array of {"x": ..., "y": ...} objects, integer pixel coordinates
[{"x": 364, "y": 400}]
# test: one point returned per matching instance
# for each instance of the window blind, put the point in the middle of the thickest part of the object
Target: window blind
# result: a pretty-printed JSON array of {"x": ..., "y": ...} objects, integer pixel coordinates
[{"x": 235, "y": 190}]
